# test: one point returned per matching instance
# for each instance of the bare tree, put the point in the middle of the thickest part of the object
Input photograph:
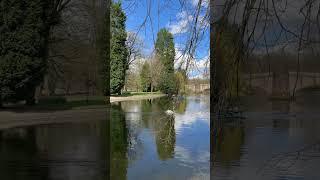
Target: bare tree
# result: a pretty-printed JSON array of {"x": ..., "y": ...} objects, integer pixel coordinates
[
  {"x": 265, "y": 26},
  {"x": 135, "y": 46},
  {"x": 75, "y": 43},
  {"x": 156, "y": 70}
]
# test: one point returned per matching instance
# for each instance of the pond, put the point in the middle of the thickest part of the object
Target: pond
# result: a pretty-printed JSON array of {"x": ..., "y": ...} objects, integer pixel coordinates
[
  {"x": 148, "y": 144},
  {"x": 276, "y": 140},
  {"x": 142, "y": 141},
  {"x": 138, "y": 140}
]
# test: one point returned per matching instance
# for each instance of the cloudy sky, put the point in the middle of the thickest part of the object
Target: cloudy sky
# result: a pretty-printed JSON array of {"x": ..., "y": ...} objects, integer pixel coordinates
[{"x": 148, "y": 16}]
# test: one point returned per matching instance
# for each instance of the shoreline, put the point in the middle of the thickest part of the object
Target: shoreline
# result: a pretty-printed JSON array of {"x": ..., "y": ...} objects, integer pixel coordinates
[
  {"x": 11, "y": 119},
  {"x": 114, "y": 99}
]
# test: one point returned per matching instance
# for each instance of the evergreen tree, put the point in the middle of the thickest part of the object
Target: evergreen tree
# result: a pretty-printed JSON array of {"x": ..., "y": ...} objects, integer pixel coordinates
[
  {"x": 166, "y": 53},
  {"x": 104, "y": 41},
  {"x": 119, "y": 52},
  {"x": 145, "y": 76},
  {"x": 22, "y": 49}
]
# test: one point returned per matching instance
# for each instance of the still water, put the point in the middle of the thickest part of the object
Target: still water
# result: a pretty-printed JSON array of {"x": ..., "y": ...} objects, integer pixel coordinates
[
  {"x": 137, "y": 140},
  {"x": 73, "y": 151},
  {"x": 276, "y": 140},
  {"x": 142, "y": 141},
  {"x": 148, "y": 144}
]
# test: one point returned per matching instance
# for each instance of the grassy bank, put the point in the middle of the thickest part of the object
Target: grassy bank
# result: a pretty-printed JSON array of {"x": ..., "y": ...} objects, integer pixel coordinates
[
  {"x": 128, "y": 94},
  {"x": 79, "y": 101},
  {"x": 132, "y": 96},
  {"x": 59, "y": 103}
]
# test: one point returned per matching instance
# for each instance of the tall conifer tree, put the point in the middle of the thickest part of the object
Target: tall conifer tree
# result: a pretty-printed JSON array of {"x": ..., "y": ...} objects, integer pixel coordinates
[
  {"x": 119, "y": 52},
  {"x": 166, "y": 54}
]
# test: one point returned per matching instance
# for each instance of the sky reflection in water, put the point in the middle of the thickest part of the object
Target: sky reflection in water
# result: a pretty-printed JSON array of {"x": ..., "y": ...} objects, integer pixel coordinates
[{"x": 158, "y": 146}]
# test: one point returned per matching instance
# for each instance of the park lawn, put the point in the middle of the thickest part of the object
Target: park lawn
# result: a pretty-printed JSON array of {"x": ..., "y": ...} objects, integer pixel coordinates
[{"x": 127, "y": 94}]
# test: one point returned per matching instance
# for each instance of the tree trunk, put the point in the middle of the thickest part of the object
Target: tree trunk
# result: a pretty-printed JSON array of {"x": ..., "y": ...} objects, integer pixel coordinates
[
  {"x": 1, "y": 105},
  {"x": 30, "y": 99}
]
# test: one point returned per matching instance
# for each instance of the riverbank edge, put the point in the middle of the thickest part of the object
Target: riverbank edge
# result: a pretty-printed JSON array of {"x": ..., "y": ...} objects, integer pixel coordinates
[
  {"x": 9, "y": 119},
  {"x": 114, "y": 99}
]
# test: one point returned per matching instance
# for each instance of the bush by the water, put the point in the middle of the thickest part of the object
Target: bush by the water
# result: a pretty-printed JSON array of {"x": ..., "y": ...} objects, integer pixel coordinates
[{"x": 53, "y": 100}]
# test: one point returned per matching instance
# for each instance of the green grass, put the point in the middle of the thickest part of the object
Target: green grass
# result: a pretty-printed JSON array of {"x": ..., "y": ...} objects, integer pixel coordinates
[
  {"x": 71, "y": 102},
  {"x": 128, "y": 94}
]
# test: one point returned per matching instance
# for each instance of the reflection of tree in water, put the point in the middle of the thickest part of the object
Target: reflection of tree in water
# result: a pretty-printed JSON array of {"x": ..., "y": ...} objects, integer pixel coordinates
[
  {"x": 165, "y": 131},
  {"x": 160, "y": 105},
  {"x": 153, "y": 117},
  {"x": 76, "y": 151},
  {"x": 163, "y": 126},
  {"x": 181, "y": 106},
  {"x": 119, "y": 144},
  {"x": 146, "y": 108},
  {"x": 226, "y": 142},
  {"x": 19, "y": 156},
  {"x": 165, "y": 137},
  {"x": 164, "y": 104},
  {"x": 135, "y": 146}
]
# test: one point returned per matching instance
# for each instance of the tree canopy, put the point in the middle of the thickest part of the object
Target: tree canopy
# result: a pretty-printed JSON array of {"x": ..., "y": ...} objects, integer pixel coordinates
[
  {"x": 23, "y": 48},
  {"x": 166, "y": 54}
]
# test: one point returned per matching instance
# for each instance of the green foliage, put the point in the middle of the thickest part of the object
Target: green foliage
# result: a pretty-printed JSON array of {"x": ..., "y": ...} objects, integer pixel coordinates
[
  {"x": 119, "y": 52},
  {"x": 53, "y": 100},
  {"x": 145, "y": 77},
  {"x": 165, "y": 138},
  {"x": 104, "y": 45},
  {"x": 166, "y": 53},
  {"x": 180, "y": 81},
  {"x": 22, "y": 49}
]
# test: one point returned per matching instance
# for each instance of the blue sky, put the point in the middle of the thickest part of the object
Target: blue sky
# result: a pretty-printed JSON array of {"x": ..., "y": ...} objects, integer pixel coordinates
[{"x": 170, "y": 14}]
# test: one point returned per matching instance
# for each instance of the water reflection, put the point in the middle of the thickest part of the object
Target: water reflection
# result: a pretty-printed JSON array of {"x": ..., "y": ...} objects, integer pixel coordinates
[
  {"x": 119, "y": 144},
  {"x": 276, "y": 140},
  {"x": 165, "y": 138},
  {"x": 143, "y": 141},
  {"x": 229, "y": 140},
  {"x": 157, "y": 146},
  {"x": 57, "y": 151}
]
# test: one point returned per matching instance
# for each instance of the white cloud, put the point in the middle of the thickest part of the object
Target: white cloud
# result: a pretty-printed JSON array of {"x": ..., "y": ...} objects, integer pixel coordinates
[
  {"x": 192, "y": 115},
  {"x": 204, "y": 3},
  {"x": 197, "y": 67},
  {"x": 180, "y": 59},
  {"x": 181, "y": 25}
]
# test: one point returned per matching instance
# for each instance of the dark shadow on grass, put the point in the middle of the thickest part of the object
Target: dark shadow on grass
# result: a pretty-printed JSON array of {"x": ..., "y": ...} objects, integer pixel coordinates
[{"x": 52, "y": 107}]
